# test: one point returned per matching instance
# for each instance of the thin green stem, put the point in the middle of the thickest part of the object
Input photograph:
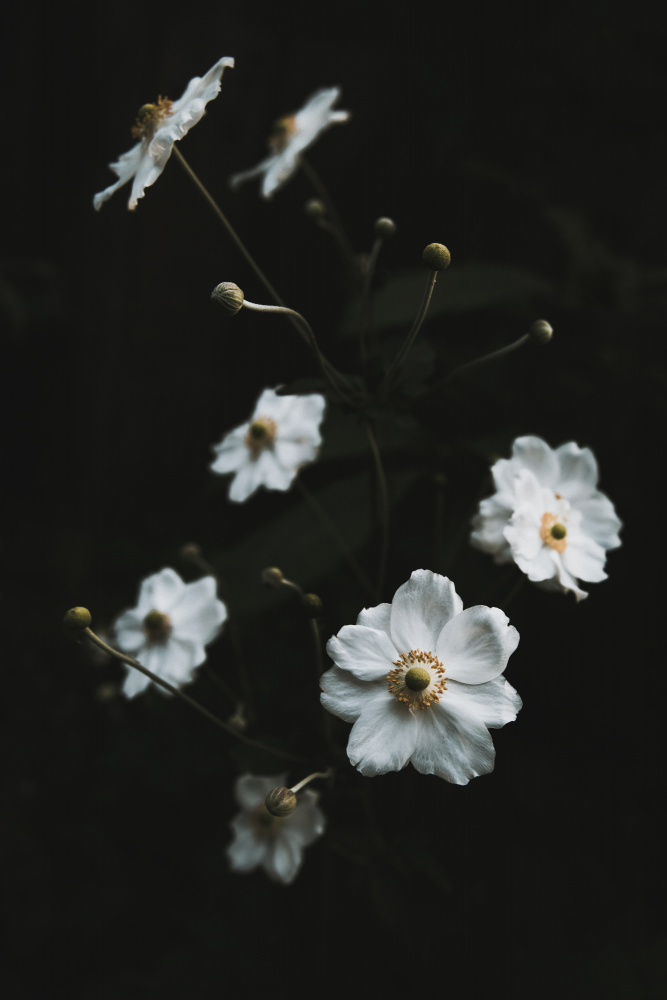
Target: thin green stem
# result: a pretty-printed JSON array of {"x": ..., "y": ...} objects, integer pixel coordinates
[
  {"x": 315, "y": 633},
  {"x": 383, "y": 504},
  {"x": 337, "y": 538},
  {"x": 316, "y": 774},
  {"x": 186, "y": 698},
  {"x": 409, "y": 340},
  {"x": 478, "y": 361},
  {"x": 365, "y": 315},
  {"x": 336, "y": 229}
]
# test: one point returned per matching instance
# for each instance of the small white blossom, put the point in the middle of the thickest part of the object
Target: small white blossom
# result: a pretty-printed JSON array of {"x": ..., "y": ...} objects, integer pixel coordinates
[
  {"x": 291, "y": 136},
  {"x": 548, "y": 516},
  {"x": 157, "y": 128},
  {"x": 421, "y": 679},
  {"x": 281, "y": 435},
  {"x": 275, "y": 843},
  {"x": 168, "y": 629}
]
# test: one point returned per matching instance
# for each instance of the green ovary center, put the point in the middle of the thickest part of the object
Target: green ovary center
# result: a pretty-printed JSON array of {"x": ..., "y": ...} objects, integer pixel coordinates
[
  {"x": 417, "y": 679},
  {"x": 156, "y": 626}
]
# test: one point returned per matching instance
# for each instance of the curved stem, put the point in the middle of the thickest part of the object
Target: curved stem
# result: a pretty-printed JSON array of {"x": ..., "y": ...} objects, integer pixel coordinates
[
  {"x": 478, "y": 361},
  {"x": 409, "y": 340},
  {"x": 186, "y": 698},
  {"x": 316, "y": 774},
  {"x": 366, "y": 298},
  {"x": 383, "y": 504}
]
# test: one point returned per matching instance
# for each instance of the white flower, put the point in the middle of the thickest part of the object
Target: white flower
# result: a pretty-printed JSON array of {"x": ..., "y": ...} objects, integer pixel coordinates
[
  {"x": 168, "y": 629},
  {"x": 281, "y": 435},
  {"x": 291, "y": 136},
  {"x": 158, "y": 127},
  {"x": 275, "y": 843},
  {"x": 548, "y": 516},
  {"x": 421, "y": 680}
]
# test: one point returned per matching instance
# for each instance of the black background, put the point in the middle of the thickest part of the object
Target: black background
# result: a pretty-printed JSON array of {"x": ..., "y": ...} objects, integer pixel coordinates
[{"x": 520, "y": 140}]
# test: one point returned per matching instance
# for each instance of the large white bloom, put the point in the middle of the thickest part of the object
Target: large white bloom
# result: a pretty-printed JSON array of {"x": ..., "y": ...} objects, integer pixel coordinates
[
  {"x": 168, "y": 629},
  {"x": 548, "y": 516},
  {"x": 157, "y": 128},
  {"x": 291, "y": 136},
  {"x": 275, "y": 843},
  {"x": 421, "y": 680},
  {"x": 281, "y": 435}
]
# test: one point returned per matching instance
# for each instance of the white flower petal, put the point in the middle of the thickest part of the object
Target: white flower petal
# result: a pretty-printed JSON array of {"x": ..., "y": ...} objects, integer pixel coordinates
[
  {"x": 148, "y": 171},
  {"x": 260, "y": 471},
  {"x": 584, "y": 558},
  {"x": 290, "y": 455},
  {"x": 247, "y": 850},
  {"x": 600, "y": 521},
  {"x": 160, "y": 592},
  {"x": 345, "y": 695},
  {"x": 420, "y": 609},
  {"x": 128, "y": 633},
  {"x": 523, "y": 533},
  {"x": 495, "y": 703},
  {"x": 125, "y": 168},
  {"x": 453, "y": 744},
  {"x": 232, "y": 452},
  {"x": 135, "y": 682},
  {"x": 475, "y": 646},
  {"x": 378, "y": 617},
  {"x": 282, "y": 859},
  {"x": 276, "y": 407},
  {"x": 366, "y": 652},
  {"x": 383, "y": 738},
  {"x": 309, "y": 410},
  {"x": 306, "y": 823},
  {"x": 199, "y": 614},
  {"x": 578, "y": 472},
  {"x": 541, "y": 567},
  {"x": 534, "y": 454},
  {"x": 251, "y": 789},
  {"x": 245, "y": 175},
  {"x": 565, "y": 579}
]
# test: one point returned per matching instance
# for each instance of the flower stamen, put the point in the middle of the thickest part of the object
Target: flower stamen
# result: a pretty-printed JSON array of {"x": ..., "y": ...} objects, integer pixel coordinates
[
  {"x": 261, "y": 435},
  {"x": 156, "y": 627},
  {"x": 418, "y": 679},
  {"x": 553, "y": 532},
  {"x": 149, "y": 117},
  {"x": 283, "y": 131}
]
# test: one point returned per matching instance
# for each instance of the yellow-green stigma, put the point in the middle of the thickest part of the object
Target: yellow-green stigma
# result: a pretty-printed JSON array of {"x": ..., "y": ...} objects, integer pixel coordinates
[
  {"x": 417, "y": 680},
  {"x": 558, "y": 531},
  {"x": 156, "y": 626},
  {"x": 150, "y": 116},
  {"x": 553, "y": 532},
  {"x": 283, "y": 130},
  {"x": 261, "y": 434}
]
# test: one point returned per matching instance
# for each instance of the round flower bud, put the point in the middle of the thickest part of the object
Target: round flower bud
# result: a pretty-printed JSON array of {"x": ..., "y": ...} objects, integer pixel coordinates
[
  {"x": 77, "y": 619},
  {"x": 541, "y": 332},
  {"x": 384, "y": 228},
  {"x": 272, "y": 576},
  {"x": 312, "y": 605},
  {"x": 314, "y": 209},
  {"x": 437, "y": 256},
  {"x": 229, "y": 296},
  {"x": 280, "y": 801},
  {"x": 190, "y": 551}
]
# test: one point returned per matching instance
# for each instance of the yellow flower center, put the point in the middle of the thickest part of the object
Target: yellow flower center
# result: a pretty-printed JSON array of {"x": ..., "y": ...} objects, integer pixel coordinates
[
  {"x": 261, "y": 435},
  {"x": 553, "y": 532},
  {"x": 156, "y": 627},
  {"x": 150, "y": 117},
  {"x": 417, "y": 680},
  {"x": 283, "y": 130}
]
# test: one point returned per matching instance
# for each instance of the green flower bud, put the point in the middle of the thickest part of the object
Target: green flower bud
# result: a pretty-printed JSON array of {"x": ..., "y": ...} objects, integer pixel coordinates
[
  {"x": 314, "y": 209},
  {"x": 541, "y": 332},
  {"x": 384, "y": 228},
  {"x": 77, "y": 619},
  {"x": 229, "y": 296},
  {"x": 280, "y": 801},
  {"x": 437, "y": 256},
  {"x": 272, "y": 576},
  {"x": 191, "y": 551},
  {"x": 312, "y": 605}
]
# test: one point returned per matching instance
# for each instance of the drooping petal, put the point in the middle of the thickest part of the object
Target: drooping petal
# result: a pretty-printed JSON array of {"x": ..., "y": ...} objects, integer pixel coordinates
[
  {"x": 420, "y": 609},
  {"x": 247, "y": 850},
  {"x": 494, "y": 703},
  {"x": 366, "y": 652},
  {"x": 565, "y": 579},
  {"x": 251, "y": 789},
  {"x": 584, "y": 558},
  {"x": 160, "y": 592},
  {"x": 578, "y": 472},
  {"x": 125, "y": 168},
  {"x": 534, "y": 454},
  {"x": 378, "y": 617},
  {"x": 246, "y": 175},
  {"x": 201, "y": 90},
  {"x": 345, "y": 695},
  {"x": 475, "y": 646},
  {"x": 148, "y": 170},
  {"x": 199, "y": 614},
  {"x": 383, "y": 738},
  {"x": 453, "y": 744},
  {"x": 282, "y": 859},
  {"x": 600, "y": 521},
  {"x": 539, "y": 568}
]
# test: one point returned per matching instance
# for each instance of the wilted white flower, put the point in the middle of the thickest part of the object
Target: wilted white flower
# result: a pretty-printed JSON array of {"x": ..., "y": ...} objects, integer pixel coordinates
[
  {"x": 169, "y": 627},
  {"x": 281, "y": 435},
  {"x": 276, "y": 843},
  {"x": 548, "y": 516},
  {"x": 421, "y": 680},
  {"x": 291, "y": 136},
  {"x": 158, "y": 127}
]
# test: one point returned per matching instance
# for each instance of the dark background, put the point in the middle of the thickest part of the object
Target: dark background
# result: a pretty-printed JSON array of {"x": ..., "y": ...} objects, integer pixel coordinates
[{"x": 534, "y": 148}]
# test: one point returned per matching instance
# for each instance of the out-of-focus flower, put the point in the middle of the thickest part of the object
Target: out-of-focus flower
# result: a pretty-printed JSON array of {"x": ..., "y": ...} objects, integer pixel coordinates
[
  {"x": 548, "y": 516},
  {"x": 291, "y": 136},
  {"x": 281, "y": 435},
  {"x": 168, "y": 629},
  {"x": 276, "y": 843},
  {"x": 158, "y": 127},
  {"x": 421, "y": 679}
]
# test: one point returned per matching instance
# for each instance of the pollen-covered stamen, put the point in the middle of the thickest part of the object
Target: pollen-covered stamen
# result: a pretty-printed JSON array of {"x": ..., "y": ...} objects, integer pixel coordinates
[
  {"x": 283, "y": 130},
  {"x": 553, "y": 532},
  {"x": 150, "y": 116},
  {"x": 156, "y": 627},
  {"x": 261, "y": 434},
  {"x": 417, "y": 680},
  {"x": 264, "y": 824}
]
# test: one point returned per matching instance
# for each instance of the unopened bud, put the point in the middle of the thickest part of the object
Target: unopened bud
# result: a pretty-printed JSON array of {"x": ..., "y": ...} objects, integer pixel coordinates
[
  {"x": 191, "y": 552},
  {"x": 312, "y": 605},
  {"x": 314, "y": 209},
  {"x": 437, "y": 256},
  {"x": 280, "y": 801},
  {"x": 384, "y": 228},
  {"x": 77, "y": 619},
  {"x": 541, "y": 332},
  {"x": 229, "y": 296},
  {"x": 272, "y": 576}
]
